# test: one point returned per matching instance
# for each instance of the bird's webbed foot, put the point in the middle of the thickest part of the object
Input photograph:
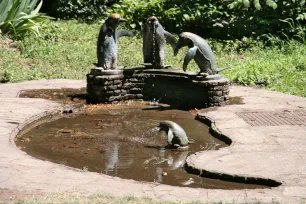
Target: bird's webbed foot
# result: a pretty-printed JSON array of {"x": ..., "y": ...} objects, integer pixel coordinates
[
  {"x": 167, "y": 66},
  {"x": 203, "y": 74}
]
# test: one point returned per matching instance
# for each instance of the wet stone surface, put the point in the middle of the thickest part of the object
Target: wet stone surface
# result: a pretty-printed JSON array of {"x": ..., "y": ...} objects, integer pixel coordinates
[
  {"x": 123, "y": 141},
  {"x": 64, "y": 95}
]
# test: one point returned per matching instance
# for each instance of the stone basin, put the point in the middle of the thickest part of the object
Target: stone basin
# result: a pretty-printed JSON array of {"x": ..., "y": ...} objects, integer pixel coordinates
[{"x": 177, "y": 88}]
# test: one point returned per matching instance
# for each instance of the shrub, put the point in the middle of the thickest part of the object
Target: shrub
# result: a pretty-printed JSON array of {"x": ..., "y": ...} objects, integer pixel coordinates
[
  {"x": 271, "y": 17},
  {"x": 223, "y": 19},
  {"x": 20, "y": 16},
  {"x": 77, "y": 9}
]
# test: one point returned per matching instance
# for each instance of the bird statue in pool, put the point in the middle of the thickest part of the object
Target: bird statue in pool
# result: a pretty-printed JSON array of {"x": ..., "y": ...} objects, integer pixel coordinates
[
  {"x": 154, "y": 40},
  {"x": 200, "y": 51},
  {"x": 177, "y": 136},
  {"x": 107, "y": 45}
]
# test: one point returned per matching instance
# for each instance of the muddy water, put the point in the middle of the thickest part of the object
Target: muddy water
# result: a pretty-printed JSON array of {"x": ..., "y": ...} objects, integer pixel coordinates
[
  {"x": 123, "y": 141},
  {"x": 64, "y": 95}
]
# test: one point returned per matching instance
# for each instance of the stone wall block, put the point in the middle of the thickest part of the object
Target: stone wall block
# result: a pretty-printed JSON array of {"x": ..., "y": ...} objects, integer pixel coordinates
[
  {"x": 139, "y": 96},
  {"x": 217, "y": 88},
  {"x": 133, "y": 80},
  {"x": 115, "y": 98},
  {"x": 211, "y": 93},
  {"x": 202, "y": 83},
  {"x": 115, "y": 77},
  {"x": 217, "y": 93},
  {"x": 226, "y": 87},
  {"x": 117, "y": 82},
  {"x": 109, "y": 93},
  {"x": 225, "y": 92},
  {"x": 117, "y": 92},
  {"x": 187, "y": 89},
  {"x": 128, "y": 85},
  {"x": 217, "y": 99},
  {"x": 139, "y": 85},
  {"x": 111, "y": 88},
  {"x": 223, "y": 82},
  {"x": 135, "y": 91},
  {"x": 129, "y": 96}
]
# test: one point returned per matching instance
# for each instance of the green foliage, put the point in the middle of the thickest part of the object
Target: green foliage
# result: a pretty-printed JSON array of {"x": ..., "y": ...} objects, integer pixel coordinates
[
  {"x": 271, "y": 16},
  {"x": 77, "y": 9},
  {"x": 67, "y": 49},
  {"x": 20, "y": 16},
  {"x": 137, "y": 11},
  {"x": 295, "y": 30},
  {"x": 176, "y": 16},
  {"x": 222, "y": 19},
  {"x": 246, "y": 4},
  {"x": 227, "y": 19}
]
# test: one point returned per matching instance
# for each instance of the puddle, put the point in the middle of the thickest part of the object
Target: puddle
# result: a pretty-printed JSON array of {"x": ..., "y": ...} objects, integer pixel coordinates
[
  {"x": 122, "y": 141},
  {"x": 236, "y": 100},
  {"x": 64, "y": 95}
]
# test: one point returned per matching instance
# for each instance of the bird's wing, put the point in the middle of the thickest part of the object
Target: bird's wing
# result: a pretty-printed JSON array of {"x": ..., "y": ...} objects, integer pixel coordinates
[
  {"x": 189, "y": 56},
  {"x": 170, "y": 136},
  {"x": 170, "y": 39},
  {"x": 123, "y": 32}
]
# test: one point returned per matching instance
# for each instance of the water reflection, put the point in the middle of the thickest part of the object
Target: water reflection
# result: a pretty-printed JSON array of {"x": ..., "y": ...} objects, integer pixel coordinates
[{"x": 124, "y": 142}]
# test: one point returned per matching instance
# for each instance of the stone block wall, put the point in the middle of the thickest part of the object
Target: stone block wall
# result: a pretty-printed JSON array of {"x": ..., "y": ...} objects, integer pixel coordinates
[{"x": 177, "y": 88}]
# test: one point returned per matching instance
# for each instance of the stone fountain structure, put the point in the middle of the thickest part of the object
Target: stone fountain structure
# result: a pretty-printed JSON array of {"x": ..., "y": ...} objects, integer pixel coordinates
[{"x": 152, "y": 81}]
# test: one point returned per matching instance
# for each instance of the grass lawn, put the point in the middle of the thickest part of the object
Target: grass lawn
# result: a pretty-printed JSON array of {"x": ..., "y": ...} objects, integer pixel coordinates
[
  {"x": 75, "y": 198},
  {"x": 67, "y": 49}
]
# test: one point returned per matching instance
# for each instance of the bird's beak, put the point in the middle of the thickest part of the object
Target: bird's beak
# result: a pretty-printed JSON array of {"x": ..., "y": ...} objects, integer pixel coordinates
[
  {"x": 180, "y": 43},
  {"x": 122, "y": 20},
  {"x": 159, "y": 128},
  {"x": 177, "y": 48}
]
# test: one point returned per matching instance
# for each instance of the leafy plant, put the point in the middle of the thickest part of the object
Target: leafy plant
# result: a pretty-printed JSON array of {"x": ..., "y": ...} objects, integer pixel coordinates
[
  {"x": 224, "y": 19},
  {"x": 20, "y": 16},
  {"x": 137, "y": 11},
  {"x": 296, "y": 30},
  {"x": 247, "y": 3},
  {"x": 77, "y": 9}
]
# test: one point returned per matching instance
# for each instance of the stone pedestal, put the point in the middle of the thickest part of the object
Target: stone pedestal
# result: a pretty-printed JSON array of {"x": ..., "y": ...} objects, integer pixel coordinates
[{"x": 183, "y": 89}]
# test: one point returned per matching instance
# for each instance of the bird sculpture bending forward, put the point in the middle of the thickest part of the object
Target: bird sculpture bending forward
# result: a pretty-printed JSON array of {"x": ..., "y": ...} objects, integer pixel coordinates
[
  {"x": 177, "y": 136},
  {"x": 107, "y": 45},
  {"x": 154, "y": 40},
  {"x": 200, "y": 51}
]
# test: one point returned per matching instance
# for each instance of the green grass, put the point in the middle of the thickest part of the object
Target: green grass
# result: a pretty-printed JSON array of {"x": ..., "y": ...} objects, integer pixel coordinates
[
  {"x": 75, "y": 198},
  {"x": 68, "y": 50}
]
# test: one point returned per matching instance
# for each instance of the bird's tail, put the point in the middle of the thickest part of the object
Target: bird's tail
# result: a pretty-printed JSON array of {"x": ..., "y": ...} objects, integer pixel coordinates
[{"x": 221, "y": 69}]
